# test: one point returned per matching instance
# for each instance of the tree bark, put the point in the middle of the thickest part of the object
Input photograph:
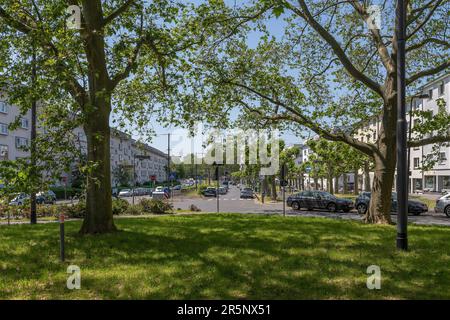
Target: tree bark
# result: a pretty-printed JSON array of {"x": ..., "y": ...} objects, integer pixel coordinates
[
  {"x": 344, "y": 176},
  {"x": 274, "y": 189},
  {"x": 385, "y": 161},
  {"x": 99, "y": 218},
  {"x": 367, "y": 184},
  {"x": 336, "y": 184}
]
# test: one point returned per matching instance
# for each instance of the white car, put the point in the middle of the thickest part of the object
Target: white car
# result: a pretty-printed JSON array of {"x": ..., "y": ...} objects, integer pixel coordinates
[
  {"x": 125, "y": 193},
  {"x": 19, "y": 199}
]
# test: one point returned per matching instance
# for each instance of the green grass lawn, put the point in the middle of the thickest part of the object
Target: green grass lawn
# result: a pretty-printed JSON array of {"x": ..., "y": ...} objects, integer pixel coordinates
[{"x": 225, "y": 256}]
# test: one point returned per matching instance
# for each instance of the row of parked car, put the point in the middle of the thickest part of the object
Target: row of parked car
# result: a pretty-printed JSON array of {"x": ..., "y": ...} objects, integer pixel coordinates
[
  {"x": 326, "y": 201},
  {"x": 43, "y": 197}
]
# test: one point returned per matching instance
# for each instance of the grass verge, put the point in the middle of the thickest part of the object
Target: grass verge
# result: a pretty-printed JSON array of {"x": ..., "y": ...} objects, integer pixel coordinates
[{"x": 226, "y": 256}]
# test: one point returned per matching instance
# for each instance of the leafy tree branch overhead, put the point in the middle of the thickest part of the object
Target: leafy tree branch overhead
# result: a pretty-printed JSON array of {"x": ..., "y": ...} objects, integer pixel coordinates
[{"x": 328, "y": 72}]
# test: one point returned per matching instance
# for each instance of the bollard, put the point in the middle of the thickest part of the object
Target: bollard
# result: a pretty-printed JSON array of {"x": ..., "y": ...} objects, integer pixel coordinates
[{"x": 61, "y": 237}]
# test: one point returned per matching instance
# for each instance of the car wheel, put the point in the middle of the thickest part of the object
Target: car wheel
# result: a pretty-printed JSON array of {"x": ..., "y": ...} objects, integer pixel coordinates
[
  {"x": 295, "y": 206},
  {"x": 362, "y": 208},
  {"x": 447, "y": 211},
  {"x": 331, "y": 207}
]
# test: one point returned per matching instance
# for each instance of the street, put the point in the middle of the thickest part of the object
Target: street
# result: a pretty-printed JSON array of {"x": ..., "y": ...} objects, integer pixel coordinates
[{"x": 232, "y": 203}]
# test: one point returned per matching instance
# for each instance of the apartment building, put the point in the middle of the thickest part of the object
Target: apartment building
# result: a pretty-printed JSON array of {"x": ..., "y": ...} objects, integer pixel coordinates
[
  {"x": 13, "y": 141},
  {"x": 437, "y": 179},
  {"x": 123, "y": 147}
]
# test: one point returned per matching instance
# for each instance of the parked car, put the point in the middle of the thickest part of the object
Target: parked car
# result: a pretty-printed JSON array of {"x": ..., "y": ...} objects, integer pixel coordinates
[
  {"x": 247, "y": 193},
  {"x": 162, "y": 190},
  {"x": 125, "y": 193},
  {"x": 47, "y": 197},
  {"x": 19, "y": 199},
  {"x": 223, "y": 190},
  {"x": 209, "y": 192},
  {"x": 414, "y": 206},
  {"x": 443, "y": 205},
  {"x": 319, "y": 200}
]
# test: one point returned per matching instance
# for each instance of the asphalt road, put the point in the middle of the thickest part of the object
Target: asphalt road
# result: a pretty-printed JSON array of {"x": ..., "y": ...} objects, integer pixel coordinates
[{"x": 232, "y": 203}]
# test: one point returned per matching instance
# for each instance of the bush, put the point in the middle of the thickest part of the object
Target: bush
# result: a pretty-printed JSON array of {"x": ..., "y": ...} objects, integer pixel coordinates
[
  {"x": 75, "y": 211},
  {"x": 119, "y": 206},
  {"x": 155, "y": 206},
  {"x": 134, "y": 210}
]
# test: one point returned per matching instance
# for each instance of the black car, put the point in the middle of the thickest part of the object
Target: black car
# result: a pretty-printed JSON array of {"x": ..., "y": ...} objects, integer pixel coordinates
[
  {"x": 209, "y": 192},
  {"x": 319, "y": 200},
  {"x": 414, "y": 206},
  {"x": 247, "y": 193}
]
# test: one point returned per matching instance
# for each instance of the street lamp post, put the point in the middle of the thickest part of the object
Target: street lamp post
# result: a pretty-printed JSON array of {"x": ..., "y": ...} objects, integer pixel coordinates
[{"x": 402, "y": 170}]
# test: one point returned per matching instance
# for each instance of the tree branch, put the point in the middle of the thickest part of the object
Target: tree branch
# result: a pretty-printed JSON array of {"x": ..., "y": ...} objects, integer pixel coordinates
[
  {"x": 427, "y": 41},
  {"x": 426, "y": 141},
  {"x": 339, "y": 52},
  {"x": 428, "y": 72},
  {"x": 118, "y": 12},
  {"x": 424, "y": 21},
  {"x": 301, "y": 119}
]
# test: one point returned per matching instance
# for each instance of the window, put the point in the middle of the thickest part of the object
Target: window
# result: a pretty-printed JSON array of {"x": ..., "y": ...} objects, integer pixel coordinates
[
  {"x": 3, "y": 107},
  {"x": 3, "y": 128},
  {"x": 442, "y": 157},
  {"x": 441, "y": 89},
  {"x": 24, "y": 123},
  {"x": 430, "y": 94},
  {"x": 21, "y": 142},
  {"x": 416, "y": 163},
  {"x": 3, "y": 152}
]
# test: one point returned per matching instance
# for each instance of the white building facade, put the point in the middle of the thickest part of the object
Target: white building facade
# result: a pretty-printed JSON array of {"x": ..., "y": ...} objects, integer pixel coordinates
[
  {"x": 123, "y": 147},
  {"x": 437, "y": 179}
]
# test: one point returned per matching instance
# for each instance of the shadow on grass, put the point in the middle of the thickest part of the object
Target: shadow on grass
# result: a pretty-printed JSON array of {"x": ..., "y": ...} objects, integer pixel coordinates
[{"x": 226, "y": 256}]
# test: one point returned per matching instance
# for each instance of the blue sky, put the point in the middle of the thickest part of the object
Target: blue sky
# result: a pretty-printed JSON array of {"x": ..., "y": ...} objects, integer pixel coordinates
[{"x": 276, "y": 28}]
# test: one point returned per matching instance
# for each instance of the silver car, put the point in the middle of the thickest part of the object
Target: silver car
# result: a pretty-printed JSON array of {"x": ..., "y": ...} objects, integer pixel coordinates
[{"x": 443, "y": 205}]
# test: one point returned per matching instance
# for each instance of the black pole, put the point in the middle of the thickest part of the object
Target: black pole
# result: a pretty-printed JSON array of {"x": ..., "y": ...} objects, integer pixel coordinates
[
  {"x": 33, "y": 215},
  {"x": 61, "y": 238},
  {"x": 217, "y": 183},
  {"x": 168, "y": 157},
  {"x": 402, "y": 170}
]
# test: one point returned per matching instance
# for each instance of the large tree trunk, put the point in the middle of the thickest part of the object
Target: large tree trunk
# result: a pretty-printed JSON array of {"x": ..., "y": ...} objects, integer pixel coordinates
[
  {"x": 99, "y": 218},
  {"x": 336, "y": 184},
  {"x": 274, "y": 189},
  {"x": 385, "y": 161},
  {"x": 344, "y": 176},
  {"x": 367, "y": 184}
]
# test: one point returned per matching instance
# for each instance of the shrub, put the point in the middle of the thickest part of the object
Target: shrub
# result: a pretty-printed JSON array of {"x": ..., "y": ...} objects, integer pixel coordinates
[
  {"x": 155, "y": 206},
  {"x": 133, "y": 210},
  {"x": 77, "y": 210},
  {"x": 119, "y": 206}
]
